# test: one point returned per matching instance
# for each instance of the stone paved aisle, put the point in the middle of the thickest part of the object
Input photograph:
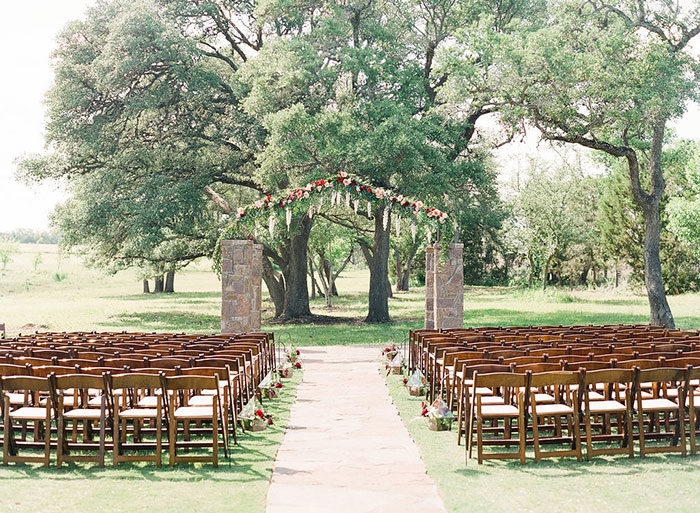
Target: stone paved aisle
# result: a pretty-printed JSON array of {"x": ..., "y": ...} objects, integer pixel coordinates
[{"x": 346, "y": 449}]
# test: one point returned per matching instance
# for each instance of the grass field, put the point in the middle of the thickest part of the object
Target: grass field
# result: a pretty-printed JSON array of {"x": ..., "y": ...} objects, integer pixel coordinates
[
  {"x": 238, "y": 485},
  {"x": 61, "y": 294},
  {"x": 653, "y": 484}
]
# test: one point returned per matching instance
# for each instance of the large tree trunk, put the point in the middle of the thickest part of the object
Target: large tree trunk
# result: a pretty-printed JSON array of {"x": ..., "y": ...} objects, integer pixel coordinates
[
  {"x": 545, "y": 271},
  {"x": 660, "y": 312},
  {"x": 531, "y": 275},
  {"x": 377, "y": 258},
  {"x": 158, "y": 286},
  {"x": 169, "y": 282},
  {"x": 296, "y": 299},
  {"x": 146, "y": 287},
  {"x": 658, "y": 304},
  {"x": 275, "y": 286}
]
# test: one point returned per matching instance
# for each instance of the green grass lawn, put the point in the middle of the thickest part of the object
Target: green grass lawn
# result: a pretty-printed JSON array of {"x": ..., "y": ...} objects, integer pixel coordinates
[
  {"x": 652, "y": 484},
  {"x": 62, "y": 294},
  {"x": 238, "y": 485}
]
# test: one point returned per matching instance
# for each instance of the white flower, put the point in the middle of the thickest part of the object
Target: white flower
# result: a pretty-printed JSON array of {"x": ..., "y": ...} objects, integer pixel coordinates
[
  {"x": 258, "y": 204},
  {"x": 241, "y": 211},
  {"x": 306, "y": 195},
  {"x": 343, "y": 174},
  {"x": 419, "y": 204},
  {"x": 400, "y": 197},
  {"x": 346, "y": 181}
]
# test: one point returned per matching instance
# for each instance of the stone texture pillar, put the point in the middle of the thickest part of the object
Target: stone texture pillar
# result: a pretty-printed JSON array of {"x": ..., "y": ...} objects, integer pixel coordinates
[
  {"x": 241, "y": 276},
  {"x": 429, "y": 287},
  {"x": 444, "y": 281}
]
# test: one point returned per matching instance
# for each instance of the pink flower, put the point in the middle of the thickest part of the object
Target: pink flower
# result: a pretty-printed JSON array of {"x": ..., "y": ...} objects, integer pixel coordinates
[
  {"x": 346, "y": 181},
  {"x": 306, "y": 195}
]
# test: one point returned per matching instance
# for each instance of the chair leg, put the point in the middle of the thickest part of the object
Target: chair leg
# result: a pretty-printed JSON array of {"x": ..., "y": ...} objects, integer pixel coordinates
[
  {"x": 535, "y": 435},
  {"x": 159, "y": 439},
  {"x": 6, "y": 434},
  {"x": 59, "y": 443},
  {"x": 640, "y": 421},
  {"x": 479, "y": 439},
  {"x": 522, "y": 430},
  {"x": 215, "y": 435}
]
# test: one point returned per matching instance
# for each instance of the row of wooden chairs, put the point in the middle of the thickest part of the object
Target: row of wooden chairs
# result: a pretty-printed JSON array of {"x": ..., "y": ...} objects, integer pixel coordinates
[
  {"x": 429, "y": 350},
  {"x": 127, "y": 405},
  {"x": 620, "y": 405}
]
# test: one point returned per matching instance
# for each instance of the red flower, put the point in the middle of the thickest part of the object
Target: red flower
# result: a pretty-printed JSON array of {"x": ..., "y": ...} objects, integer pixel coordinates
[
  {"x": 278, "y": 385},
  {"x": 269, "y": 421},
  {"x": 297, "y": 365},
  {"x": 405, "y": 380},
  {"x": 386, "y": 366},
  {"x": 259, "y": 413},
  {"x": 424, "y": 412},
  {"x": 298, "y": 353}
]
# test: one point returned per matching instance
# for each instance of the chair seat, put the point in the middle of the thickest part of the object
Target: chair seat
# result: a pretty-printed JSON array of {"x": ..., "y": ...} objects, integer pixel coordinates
[
  {"x": 139, "y": 413},
  {"x": 16, "y": 398},
  {"x": 95, "y": 401},
  {"x": 201, "y": 400},
  {"x": 483, "y": 391},
  {"x": 595, "y": 396},
  {"x": 553, "y": 409},
  {"x": 149, "y": 401},
  {"x": 29, "y": 413},
  {"x": 193, "y": 412},
  {"x": 606, "y": 407},
  {"x": 499, "y": 410},
  {"x": 83, "y": 413},
  {"x": 658, "y": 405},
  {"x": 543, "y": 398},
  {"x": 493, "y": 399}
]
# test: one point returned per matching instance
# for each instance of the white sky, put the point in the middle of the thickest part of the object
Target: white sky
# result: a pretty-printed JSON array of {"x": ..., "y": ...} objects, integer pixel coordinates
[{"x": 27, "y": 37}]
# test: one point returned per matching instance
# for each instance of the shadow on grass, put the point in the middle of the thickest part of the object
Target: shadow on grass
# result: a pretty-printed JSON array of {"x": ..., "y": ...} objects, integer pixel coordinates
[
  {"x": 174, "y": 296},
  {"x": 171, "y": 320}
]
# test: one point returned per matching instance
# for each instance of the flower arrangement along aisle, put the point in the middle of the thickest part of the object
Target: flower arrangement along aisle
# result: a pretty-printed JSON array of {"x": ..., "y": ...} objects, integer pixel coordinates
[
  {"x": 397, "y": 364},
  {"x": 287, "y": 370},
  {"x": 292, "y": 355},
  {"x": 416, "y": 383},
  {"x": 390, "y": 351},
  {"x": 253, "y": 416},
  {"x": 270, "y": 387},
  {"x": 439, "y": 416}
]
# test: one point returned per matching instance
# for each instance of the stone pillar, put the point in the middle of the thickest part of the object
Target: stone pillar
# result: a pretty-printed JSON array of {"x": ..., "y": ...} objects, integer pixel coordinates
[
  {"x": 241, "y": 276},
  {"x": 429, "y": 287},
  {"x": 444, "y": 281}
]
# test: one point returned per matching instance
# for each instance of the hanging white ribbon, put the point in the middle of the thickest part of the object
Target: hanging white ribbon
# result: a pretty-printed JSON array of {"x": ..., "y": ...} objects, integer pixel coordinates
[
  {"x": 430, "y": 237},
  {"x": 355, "y": 204},
  {"x": 413, "y": 230},
  {"x": 289, "y": 218},
  {"x": 271, "y": 225},
  {"x": 385, "y": 220},
  {"x": 347, "y": 199},
  {"x": 398, "y": 226},
  {"x": 369, "y": 210}
]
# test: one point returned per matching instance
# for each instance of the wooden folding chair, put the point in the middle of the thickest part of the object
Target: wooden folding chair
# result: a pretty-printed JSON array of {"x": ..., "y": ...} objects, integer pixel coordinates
[
  {"x": 30, "y": 412},
  {"x": 512, "y": 409},
  {"x": 617, "y": 382},
  {"x": 179, "y": 390},
  {"x": 559, "y": 382},
  {"x": 79, "y": 386},
  {"x": 659, "y": 405},
  {"x": 126, "y": 411}
]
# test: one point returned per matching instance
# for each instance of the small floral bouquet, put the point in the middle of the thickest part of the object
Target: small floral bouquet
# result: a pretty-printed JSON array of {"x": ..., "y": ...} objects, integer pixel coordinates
[
  {"x": 287, "y": 370},
  {"x": 253, "y": 416},
  {"x": 293, "y": 355},
  {"x": 416, "y": 383},
  {"x": 270, "y": 385},
  {"x": 439, "y": 416},
  {"x": 390, "y": 351},
  {"x": 397, "y": 365}
]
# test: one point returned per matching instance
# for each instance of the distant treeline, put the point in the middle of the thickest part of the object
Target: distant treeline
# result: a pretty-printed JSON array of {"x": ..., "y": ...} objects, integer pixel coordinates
[{"x": 27, "y": 236}]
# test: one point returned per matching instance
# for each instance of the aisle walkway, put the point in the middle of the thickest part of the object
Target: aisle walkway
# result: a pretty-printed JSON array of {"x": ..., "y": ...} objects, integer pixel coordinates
[{"x": 346, "y": 449}]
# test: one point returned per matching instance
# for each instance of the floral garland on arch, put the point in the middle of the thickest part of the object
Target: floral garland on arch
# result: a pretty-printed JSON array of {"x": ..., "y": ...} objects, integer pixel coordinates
[{"x": 344, "y": 189}]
